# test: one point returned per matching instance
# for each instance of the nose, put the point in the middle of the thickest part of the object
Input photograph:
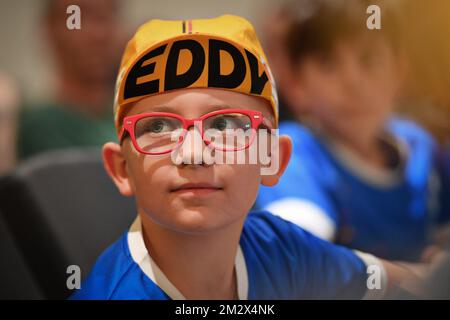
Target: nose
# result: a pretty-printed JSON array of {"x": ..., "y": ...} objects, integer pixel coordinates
[
  {"x": 352, "y": 76},
  {"x": 191, "y": 150}
]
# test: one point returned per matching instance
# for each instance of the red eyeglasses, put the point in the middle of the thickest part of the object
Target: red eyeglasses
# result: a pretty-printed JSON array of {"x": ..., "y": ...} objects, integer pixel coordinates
[{"x": 158, "y": 133}]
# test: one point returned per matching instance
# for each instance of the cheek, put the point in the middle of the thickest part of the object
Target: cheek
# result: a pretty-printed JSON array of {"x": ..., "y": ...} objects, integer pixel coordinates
[
  {"x": 381, "y": 91},
  {"x": 148, "y": 180},
  {"x": 243, "y": 187},
  {"x": 390, "y": 83},
  {"x": 326, "y": 90}
]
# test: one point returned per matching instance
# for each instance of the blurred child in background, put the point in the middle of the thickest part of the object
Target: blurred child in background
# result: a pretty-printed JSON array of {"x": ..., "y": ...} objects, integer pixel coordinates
[{"x": 358, "y": 175}]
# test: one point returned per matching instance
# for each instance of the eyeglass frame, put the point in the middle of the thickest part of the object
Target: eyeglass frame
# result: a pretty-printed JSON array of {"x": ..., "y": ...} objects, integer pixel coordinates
[{"x": 129, "y": 126}]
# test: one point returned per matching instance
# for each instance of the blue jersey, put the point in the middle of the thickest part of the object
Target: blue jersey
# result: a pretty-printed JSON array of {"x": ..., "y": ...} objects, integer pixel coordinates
[
  {"x": 330, "y": 193},
  {"x": 276, "y": 260},
  {"x": 444, "y": 173}
]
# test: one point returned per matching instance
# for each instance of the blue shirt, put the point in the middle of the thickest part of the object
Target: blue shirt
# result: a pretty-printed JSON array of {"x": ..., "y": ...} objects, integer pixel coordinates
[
  {"x": 444, "y": 173},
  {"x": 389, "y": 220},
  {"x": 281, "y": 261}
]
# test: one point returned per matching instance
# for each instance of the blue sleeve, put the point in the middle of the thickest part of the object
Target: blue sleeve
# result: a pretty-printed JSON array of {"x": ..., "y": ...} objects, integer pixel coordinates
[
  {"x": 294, "y": 264},
  {"x": 329, "y": 271},
  {"x": 306, "y": 176},
  {"x": 106, "y": 276},
  {"x": 425, "y": 157}
]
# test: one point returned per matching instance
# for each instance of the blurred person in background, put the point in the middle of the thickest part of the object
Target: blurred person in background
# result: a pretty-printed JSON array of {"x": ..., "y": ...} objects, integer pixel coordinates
[
  {"x": 358, "y": 175},
  {"x": 9, "y": 107},
  {"x": 79, "y": 114}
]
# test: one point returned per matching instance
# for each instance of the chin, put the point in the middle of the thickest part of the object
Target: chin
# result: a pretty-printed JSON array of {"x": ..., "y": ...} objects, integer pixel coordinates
[{"x": 198, "y": 221}]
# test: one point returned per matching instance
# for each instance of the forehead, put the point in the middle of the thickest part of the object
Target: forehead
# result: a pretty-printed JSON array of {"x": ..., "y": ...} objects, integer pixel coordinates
[
  {"x": 355, "y": 45},
  {"x": 192, "y": 103}
]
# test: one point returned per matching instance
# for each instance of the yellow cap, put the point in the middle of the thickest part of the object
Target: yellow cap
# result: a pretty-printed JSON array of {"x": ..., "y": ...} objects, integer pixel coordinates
[{"x": 222, "y": 52}]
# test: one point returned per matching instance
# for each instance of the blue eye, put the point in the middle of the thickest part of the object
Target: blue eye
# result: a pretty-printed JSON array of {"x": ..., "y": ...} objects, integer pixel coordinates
[
  {"x": 219, "y": 124},
  {"x": 230, "y": 121},
  {"x": 156, "y": 126}
]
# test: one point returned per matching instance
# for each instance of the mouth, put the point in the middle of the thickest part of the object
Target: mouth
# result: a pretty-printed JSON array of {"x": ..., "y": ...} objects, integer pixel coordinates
[{"x": 196, "y": 189}]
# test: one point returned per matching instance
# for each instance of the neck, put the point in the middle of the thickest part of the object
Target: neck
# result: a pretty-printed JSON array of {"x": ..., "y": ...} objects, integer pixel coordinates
[
  {"x": 89, "y": 97},
  {"x": 199, "y": 266},
  {"x": 362, "y": 139}
]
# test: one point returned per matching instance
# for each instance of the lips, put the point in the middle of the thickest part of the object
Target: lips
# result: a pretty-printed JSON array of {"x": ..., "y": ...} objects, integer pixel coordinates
[{"x": 196, "y": 187}]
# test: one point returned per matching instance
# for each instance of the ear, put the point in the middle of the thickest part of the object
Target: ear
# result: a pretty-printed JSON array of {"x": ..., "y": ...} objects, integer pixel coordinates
[
  {"x": 115, "y": 165},
  {"x": 284, "y": 154}
]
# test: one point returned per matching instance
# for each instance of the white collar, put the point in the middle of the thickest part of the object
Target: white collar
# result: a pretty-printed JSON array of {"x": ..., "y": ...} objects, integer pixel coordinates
[
  {"x": 141, "y": 256},
  {"x": 381, "y": 178}
]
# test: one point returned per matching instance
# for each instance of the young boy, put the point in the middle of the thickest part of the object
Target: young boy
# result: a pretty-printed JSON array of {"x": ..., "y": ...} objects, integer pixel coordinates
[
  {"x": 358, "y": 176},
  {"x": 194, "y": 237}
]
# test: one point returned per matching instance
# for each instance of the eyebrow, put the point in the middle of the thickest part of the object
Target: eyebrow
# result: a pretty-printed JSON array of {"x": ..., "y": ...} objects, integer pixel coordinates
[
  {"x": 210, "y": 108},
  {"x": 165, "y": 108}
]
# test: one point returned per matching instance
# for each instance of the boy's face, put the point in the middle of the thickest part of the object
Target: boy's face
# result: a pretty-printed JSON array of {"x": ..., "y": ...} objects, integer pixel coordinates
[
  {"x": 357, "y": 81},
  {"x": 188, "y": 198}
]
